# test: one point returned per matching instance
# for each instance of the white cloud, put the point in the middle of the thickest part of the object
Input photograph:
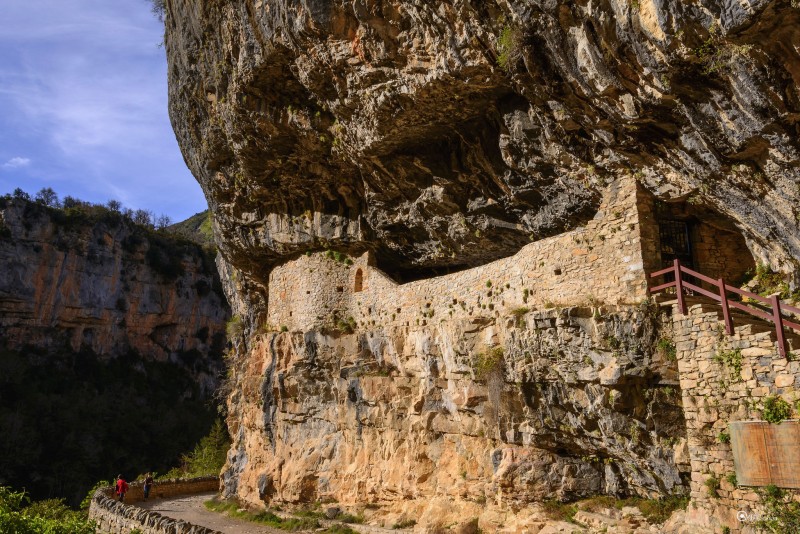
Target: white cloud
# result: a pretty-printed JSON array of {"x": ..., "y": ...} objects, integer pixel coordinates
[
  {"x": 16, "y": 163},
  {"x": 83, "y": 94}
]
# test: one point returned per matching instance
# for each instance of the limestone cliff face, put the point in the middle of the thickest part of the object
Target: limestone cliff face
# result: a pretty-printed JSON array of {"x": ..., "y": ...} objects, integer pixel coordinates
[
  {"x": 105, "y": 286},
  {"x": 388, "y": 125},
  {"x": 111, "y": 344},
  {"x": 574, "y": 404},
  {"x": 441, "y": 136}
]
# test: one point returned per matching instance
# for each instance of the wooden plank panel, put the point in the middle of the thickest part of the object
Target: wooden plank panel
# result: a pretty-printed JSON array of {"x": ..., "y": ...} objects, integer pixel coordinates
[
  {"x": 765, "y": 454},
  {"x": 749, "y": 454},
  {"x": 783, "y": 452}
]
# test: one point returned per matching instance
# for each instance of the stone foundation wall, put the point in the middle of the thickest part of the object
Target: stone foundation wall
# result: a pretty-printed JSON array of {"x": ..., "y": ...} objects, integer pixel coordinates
[
  {"x": 114, "y": 517},
  {"x": 602, "y": 261},
  {"x": 723, "y": 379}
]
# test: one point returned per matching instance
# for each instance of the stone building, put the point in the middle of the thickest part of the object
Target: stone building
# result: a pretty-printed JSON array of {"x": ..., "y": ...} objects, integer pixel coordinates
[{"x": 607, "y": 261}]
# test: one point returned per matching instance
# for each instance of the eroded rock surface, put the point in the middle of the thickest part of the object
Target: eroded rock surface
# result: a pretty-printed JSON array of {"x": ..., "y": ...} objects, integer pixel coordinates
[
  {"x": 104, "y": 286},
  {"x": 444, "y": 135},
  {"x": 388, "y": 125},
  {"x": 574, "y": 404}
]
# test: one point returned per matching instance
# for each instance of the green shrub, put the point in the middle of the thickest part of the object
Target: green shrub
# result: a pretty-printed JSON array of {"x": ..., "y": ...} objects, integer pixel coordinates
[
  {"x": 559, "y": 511},
  {"x": 165, "y": 257},
  {"x": 768, "y": 282},
  {"x": 509, "y": 48},
  {"x": 266, "y": 517},
  {"x": 781, "y": 511},
  {"x": 486, "y": 364},
  {"x": 666, "y": 348},
  {"x": 659, "y": 510},
  {"x": 158, "y": 8},
  {"x": 775, "y": 409},
  {"x": 87, "y": 501},
  {"x": 207, "y": 457},
  {"x": 732, "y": 360},
  {"x": 724, "y": 437},
  {"x": 44, "y": 517},
  {"x": 350, "y": 518},
  {"x": 712, "y": 486},
  {"x": 234, "y": 327}
]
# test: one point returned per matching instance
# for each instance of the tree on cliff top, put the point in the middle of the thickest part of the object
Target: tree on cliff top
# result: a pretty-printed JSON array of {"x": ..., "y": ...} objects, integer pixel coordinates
[{"x": 159, "y": 8}]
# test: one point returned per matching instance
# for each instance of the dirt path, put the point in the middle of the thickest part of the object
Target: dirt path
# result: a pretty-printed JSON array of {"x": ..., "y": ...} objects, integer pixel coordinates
[{"x": 190, "y": 508}]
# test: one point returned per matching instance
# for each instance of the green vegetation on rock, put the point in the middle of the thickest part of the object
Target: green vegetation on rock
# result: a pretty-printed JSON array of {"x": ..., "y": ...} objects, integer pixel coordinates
[
  {"x": 266, "y": 517},
  {"x": 775, "y": 409},
  {"x": 207, "y": 457},
  {"x": 486, "y": 364},
  {"x": 781, "y": 512}
]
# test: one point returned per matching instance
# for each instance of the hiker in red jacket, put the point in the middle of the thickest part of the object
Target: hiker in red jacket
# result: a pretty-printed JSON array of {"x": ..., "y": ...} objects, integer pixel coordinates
[{"x": 122, "y": 488}]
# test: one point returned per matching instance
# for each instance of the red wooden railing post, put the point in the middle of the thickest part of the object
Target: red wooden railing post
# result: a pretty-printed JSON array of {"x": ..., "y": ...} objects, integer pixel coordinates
[
  {"x": 778, "y": 319},
  {"x": 726, "y": 312},
  {"x": 679, "y": 286}
]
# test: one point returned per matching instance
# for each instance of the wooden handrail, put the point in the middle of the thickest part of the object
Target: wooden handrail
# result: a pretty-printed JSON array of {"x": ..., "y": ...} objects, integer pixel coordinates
[{"x": 777, "y": 308}]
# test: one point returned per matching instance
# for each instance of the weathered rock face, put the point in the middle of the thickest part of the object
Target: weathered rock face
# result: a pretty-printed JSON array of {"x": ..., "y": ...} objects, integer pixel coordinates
[
  {"x": 111, "y": 345},
  {"x": 576, "y": 403},
  {"x": 108, "y": 287},
  {"x": 388, "y": 125}
]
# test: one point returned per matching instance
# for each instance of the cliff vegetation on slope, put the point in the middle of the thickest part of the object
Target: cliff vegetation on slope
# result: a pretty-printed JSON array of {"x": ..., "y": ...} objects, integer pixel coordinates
[{"x": 111, "y": 343}]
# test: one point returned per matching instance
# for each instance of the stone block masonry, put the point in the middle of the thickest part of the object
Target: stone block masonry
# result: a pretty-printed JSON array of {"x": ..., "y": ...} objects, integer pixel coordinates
[
  {"x": 724, "y": 379},
  {"x": 602, "y": 261},
  {"x": 114, "y": 517}
]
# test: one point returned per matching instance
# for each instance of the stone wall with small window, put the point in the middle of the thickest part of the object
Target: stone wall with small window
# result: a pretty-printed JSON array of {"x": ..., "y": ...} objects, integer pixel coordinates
[{"x": 599, "y": 263}]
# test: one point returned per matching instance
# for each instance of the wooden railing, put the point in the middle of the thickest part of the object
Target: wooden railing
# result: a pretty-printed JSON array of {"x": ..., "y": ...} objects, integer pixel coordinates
[{"x": 720, "y": 294}]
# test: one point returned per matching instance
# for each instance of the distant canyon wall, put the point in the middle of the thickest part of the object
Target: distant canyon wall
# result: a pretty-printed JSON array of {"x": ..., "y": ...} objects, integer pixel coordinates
[{"x": 102, "y": 284}]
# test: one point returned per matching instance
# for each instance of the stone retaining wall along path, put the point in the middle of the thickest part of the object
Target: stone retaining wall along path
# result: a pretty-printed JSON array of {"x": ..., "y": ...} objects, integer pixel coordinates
[{"x": 114, "y": 517}]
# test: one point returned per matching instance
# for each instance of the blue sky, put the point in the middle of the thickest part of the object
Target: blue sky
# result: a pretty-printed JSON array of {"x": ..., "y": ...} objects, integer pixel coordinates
[{"x": 83, "y": 105}]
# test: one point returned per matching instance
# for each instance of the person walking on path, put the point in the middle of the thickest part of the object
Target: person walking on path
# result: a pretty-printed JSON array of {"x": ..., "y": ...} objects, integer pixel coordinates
[
  {"x": 148, "y": 484},
  {"x": 122, "y": 488}
]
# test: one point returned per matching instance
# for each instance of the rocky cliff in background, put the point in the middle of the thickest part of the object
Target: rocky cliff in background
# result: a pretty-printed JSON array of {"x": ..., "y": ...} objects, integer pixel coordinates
[
  {"x": 111, "y": 341},
  {"x": 100, "y": 283}
]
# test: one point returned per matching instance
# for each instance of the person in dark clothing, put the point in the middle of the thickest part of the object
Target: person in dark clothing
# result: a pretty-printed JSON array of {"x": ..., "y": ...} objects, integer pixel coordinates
[
  {"x": 148, "y": 484},
  {"x": 122, "y": 488}
]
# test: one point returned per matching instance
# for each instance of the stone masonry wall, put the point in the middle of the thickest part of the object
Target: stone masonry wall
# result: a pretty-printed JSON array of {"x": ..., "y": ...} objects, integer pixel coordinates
[
  {"x": 723, "y": 379},
  {"x": 721, "y": 254},
  {"x": 114, "y": 517},
  {"x": 600, "y": 261},
  {"x": 717, "y": 251}
]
